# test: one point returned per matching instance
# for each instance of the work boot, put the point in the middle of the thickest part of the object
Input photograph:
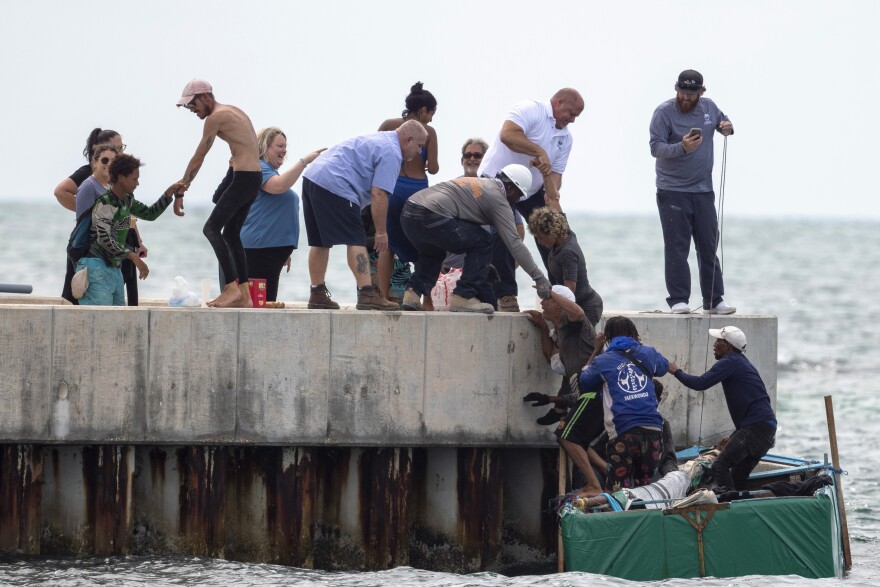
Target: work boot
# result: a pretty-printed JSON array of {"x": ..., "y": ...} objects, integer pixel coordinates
[
  {"x": 411, "y": 300},
  {"x": 319, "y": 299},
  {"x": 508, "y": 304},
  {"x": 370, "y": 298},
  {"x": 460, "y": 304}
]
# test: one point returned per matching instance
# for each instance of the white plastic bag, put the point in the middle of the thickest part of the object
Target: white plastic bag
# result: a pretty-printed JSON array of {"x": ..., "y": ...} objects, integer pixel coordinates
[
  {"x": 181, "y": 296},
  {"x": 441, "y": 295},
  {"x": 80, "y": 283}
]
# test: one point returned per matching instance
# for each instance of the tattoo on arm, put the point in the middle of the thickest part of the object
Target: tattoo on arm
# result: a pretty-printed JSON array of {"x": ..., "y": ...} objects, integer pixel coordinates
[
  {"x": 362, "y": 265},
  {"x": 209, "y": 142}
]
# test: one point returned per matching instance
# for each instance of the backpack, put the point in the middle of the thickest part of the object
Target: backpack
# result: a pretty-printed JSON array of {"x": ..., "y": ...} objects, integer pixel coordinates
[{"x": 81, "y": 238}]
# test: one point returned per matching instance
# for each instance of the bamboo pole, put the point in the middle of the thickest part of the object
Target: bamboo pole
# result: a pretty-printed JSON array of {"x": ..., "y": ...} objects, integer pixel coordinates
[
  {"x": 835, "y": 460},
  {"x": 563, "y": 466}
]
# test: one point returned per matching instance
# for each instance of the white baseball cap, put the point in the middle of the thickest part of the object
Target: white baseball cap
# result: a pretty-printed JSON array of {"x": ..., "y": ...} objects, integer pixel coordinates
[
  {"x": 564, "y": 292},
  {"x": 731, "y": 334}
]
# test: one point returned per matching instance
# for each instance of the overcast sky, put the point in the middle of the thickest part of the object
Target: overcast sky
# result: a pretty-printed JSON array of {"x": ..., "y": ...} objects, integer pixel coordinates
[{"x": 799, "y": 80}]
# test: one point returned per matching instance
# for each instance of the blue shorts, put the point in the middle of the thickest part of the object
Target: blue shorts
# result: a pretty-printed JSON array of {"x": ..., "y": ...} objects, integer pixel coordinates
[
  {"x": 331, "y": 219},
  {"x": 105, "y": 283}
]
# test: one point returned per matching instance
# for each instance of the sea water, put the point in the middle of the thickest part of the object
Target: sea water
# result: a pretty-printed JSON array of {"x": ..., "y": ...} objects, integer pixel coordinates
[{"x": 820, "y": 278}]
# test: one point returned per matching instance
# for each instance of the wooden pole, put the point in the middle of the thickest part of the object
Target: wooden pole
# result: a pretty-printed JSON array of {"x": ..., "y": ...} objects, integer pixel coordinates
[
  {"x": 560, "y": 554},
  {"x": 835, "y": 460}
]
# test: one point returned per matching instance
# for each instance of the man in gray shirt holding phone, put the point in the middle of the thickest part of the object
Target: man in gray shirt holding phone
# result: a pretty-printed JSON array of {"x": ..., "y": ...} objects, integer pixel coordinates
[{"x": 682, "y": 129}]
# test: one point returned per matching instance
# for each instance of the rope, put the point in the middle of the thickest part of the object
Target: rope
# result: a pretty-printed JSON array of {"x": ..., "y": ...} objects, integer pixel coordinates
[{"x": 719, "y": 243}]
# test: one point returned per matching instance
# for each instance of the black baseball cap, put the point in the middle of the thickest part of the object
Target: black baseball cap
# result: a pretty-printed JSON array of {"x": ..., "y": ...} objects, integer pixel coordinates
[{"x": 690, "y": 82}]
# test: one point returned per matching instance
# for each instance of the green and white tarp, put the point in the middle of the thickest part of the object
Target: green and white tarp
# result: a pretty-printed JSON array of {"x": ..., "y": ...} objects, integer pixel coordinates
[{"x": 774, "y": 536}]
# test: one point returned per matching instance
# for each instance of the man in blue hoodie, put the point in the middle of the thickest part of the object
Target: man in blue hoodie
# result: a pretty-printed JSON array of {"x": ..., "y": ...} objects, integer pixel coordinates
[
  {"x": 629, "y": 403},
  {"x": 747, "y": 401}
]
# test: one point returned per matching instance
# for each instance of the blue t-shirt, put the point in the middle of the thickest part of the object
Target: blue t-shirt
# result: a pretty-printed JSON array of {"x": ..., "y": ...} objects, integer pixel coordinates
[
  {"x": 628, "y": 396},
  {"x": 744, "y": 390},
  {"x": 86, "y": 194},
  {"x": 351, "y": 168},
  {"x": 273, "y": 220}
]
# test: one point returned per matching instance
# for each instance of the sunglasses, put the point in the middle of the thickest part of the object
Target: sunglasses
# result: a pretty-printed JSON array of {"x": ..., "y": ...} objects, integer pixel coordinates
[{"x": 472, "y": 156}]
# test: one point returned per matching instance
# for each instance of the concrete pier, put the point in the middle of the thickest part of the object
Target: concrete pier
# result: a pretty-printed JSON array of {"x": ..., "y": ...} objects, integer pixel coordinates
[{"x": 356, "y": 440}]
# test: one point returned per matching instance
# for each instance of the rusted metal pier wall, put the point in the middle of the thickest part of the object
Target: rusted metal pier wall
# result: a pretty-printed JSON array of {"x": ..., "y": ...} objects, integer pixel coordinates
[
  {"x": 336, "y": 440},
  {"x": 324, "y": 507}
]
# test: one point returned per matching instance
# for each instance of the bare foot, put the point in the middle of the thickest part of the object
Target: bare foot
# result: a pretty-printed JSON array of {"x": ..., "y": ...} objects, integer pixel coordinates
[
  {"x": 244, "y": 301},
  {"x": 427, "y": 304},
  {"x": 228, "y": 298}
]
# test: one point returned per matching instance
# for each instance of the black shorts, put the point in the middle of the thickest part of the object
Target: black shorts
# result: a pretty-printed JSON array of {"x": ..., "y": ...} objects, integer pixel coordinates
[
  {"x": 583, "y": 423},
  {"x": 331, "y": 219}
]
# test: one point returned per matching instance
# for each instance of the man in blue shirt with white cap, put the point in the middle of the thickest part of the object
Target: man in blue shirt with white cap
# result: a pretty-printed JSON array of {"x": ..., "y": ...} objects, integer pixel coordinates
[{"x": 747, "y": 401}]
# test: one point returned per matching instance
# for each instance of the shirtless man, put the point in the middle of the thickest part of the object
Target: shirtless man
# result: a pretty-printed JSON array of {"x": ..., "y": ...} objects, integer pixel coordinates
[{"x": 233, "y": 126}]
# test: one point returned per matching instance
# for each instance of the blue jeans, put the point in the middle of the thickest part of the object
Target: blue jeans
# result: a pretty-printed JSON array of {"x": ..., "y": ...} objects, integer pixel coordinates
[
  {"x": 433, "y": 235},
  {"x": 506, "y": 267},
  {"x": 684, "y": 216},
  {"x": 526, "y": 208},
  {"x": 502, "y": 259},
  {"x": 105, "y": 283},
  {"x": 747, "y": 446}
]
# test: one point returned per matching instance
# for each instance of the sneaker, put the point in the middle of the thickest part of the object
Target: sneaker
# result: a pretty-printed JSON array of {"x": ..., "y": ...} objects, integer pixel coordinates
[
  {"x": 460, "y": 304},
  {"x": 681, "y": 308},
  {"x": 508, "y": 304},
  {"x": 721, "y": 308},
  {"x": 370, "y": 298},
  {"x": 319, "y": 299},
  {"x": 551, "y": 417},
  {"x": 411, "y": 301}
]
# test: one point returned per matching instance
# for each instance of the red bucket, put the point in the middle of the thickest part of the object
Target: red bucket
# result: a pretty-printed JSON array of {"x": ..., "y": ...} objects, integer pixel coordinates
[{"x": 257, "y": 288}]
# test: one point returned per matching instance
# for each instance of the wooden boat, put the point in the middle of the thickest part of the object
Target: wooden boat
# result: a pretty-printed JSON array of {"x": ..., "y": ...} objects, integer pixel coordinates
[{"x": 803, "y": 535}]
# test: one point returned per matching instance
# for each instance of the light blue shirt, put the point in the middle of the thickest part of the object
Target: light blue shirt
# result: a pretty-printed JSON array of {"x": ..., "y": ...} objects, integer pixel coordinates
[
  {"x": 273, "y": 220},
  {"x": 353, "y": 167}
]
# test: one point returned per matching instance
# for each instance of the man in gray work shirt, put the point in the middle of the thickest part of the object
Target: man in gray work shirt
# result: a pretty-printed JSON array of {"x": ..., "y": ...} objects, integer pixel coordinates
[
  {"x": 448, "y": 217},
  {"x": 682, "y": 129}
]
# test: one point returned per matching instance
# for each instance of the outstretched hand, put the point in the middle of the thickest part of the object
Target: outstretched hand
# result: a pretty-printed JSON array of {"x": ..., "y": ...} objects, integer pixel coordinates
[
  {"x": 313, "y": 155},
  {"x": 542, "y": 285},
  {"x": 536, "y": 318},
  {"x": 539, "y": 399}
]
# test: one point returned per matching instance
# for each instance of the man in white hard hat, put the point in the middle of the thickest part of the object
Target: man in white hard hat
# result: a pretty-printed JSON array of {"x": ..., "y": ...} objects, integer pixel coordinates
[
  {"x": 534, "y": 134},
  {"x": 747, "y": 401},
  {"x": 448, "y": 217}
]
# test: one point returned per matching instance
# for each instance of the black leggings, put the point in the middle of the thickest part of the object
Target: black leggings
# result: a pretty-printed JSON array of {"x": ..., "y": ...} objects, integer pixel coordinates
[
  {"x": 266, "y": 263},
  {"x": 228, "y": 216},
  {"x": 129, "y": 270}
]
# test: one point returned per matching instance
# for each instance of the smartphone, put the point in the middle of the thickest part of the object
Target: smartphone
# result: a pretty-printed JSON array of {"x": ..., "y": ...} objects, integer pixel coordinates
[{"x": 696, "y": 132}]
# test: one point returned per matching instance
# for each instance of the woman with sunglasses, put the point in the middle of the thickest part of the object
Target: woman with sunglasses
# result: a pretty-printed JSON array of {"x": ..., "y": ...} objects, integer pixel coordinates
[
  {"x": 420, "y": 105},
  {"x": 65, "y": 192},
  {"x": 99, "y": 181}
]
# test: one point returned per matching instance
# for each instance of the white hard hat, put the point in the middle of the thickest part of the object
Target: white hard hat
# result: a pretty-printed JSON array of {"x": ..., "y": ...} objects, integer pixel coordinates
[{"x": 520, "y": 176}]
